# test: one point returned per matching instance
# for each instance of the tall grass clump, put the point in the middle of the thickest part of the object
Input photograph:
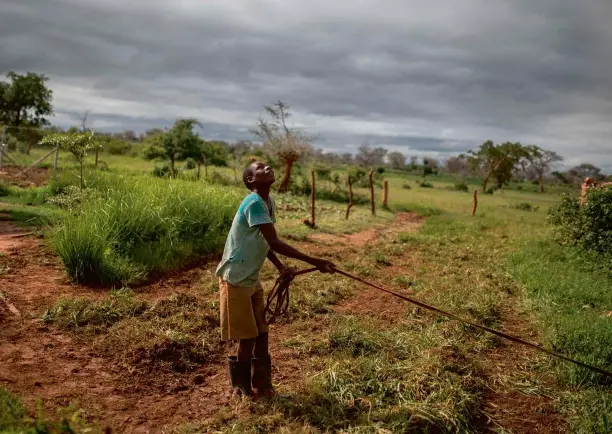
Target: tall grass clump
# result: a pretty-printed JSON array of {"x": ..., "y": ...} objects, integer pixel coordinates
[{"x": 136, "y": 225}]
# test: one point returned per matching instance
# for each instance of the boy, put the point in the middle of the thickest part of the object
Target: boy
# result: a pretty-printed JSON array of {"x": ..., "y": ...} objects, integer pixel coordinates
[{"x": 252, "y": 239}]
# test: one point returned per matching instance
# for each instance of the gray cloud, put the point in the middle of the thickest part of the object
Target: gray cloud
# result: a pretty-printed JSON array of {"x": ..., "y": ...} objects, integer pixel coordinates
[{"x": 418, "y": 76}]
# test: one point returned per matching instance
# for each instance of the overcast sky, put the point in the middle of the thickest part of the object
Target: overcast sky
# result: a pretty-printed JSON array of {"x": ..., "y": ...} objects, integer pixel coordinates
[{"x": 420, "y": 76}]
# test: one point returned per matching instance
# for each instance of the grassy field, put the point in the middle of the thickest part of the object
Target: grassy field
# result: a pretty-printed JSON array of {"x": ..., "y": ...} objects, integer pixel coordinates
[{"x": 353, "y": 360}]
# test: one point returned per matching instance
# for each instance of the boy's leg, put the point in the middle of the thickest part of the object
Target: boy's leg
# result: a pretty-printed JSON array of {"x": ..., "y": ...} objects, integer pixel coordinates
[
  {"x": 261, "y": 346},
  {"x": 238, "y": 323},
  {"x": 262, "y": 365}
]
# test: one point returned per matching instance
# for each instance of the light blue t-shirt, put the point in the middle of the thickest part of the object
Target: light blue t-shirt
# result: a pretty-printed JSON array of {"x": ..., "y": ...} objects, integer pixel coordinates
[{"x": 246, "y": 248}]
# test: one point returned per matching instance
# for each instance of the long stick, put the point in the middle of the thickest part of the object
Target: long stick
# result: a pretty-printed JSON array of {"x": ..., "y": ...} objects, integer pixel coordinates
[
  {"x": 385, "y": 194},
  {"x": 487, "y": 329},
  {"x": 475, "y": 203},
  {"x": 372, "y": 193}
]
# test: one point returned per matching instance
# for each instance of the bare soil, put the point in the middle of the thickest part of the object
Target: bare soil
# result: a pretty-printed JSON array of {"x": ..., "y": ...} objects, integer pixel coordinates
[
  {"x": 41, "y": 362},
  {"x": 32, "y": 178}
]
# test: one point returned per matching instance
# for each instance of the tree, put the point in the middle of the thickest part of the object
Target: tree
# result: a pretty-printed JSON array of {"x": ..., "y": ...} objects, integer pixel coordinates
[
  {"x": 499, "y": 160},
  {"x": 346, "y": 158},
  {"x": 457, "y": 165},
  {"x": 397, "y": 160},
  {"x": 430, "y": 166},
  {"x": 177, "y": 143},
  {"x": 78, "y": 144},
  {"x": 207, "y": 152},
  {"x": 585, "y": 170},
  {"x": 370, "y": 157},
  {"x": 287, "y": 144},
  {"x": 25, "y": 101},
  {"x": 541, "y": 162}
]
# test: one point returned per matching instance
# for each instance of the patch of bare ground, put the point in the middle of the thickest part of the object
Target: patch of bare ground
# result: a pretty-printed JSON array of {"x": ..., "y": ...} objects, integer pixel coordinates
[
  {"x": 516, "y": 398},
  {"x": 33, "y": 177}
]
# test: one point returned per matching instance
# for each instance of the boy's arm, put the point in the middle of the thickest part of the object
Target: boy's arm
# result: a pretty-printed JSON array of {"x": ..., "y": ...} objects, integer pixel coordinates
[
  {"x": 277, "y": 245},
  {"x": 277, "y": 263}
]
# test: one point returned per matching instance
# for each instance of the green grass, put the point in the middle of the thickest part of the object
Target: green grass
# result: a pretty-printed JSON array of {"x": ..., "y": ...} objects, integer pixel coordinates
[
  {"x": 573, "y": 302},
  {"x": 14, "y": 419},
  {"x": 137, "y": 225}
]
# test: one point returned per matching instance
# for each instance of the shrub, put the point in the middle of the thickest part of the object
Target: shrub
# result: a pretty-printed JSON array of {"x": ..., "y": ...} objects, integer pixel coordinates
[
  {"x": 137, "y": 225},
  {"x": 162, "y": 171},
  {"x": 424, "y": 184},
  {"x": 118, "y": 147},
  {"x": 5, "y": 190},
  {"x": 406, "y": 186},
  {"x": 461, "y": 186},
  {"x": 589, "y": 226},
  {"x": 490, "y": 190},
  {"x": 190, "y": 164},
  {"x": 524, "y": 206}
]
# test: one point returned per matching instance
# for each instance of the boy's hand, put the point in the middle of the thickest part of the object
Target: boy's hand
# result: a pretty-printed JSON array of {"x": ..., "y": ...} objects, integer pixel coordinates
[
  {"x": 324, "y": 266},
  {"x": 286, "y": 271}
]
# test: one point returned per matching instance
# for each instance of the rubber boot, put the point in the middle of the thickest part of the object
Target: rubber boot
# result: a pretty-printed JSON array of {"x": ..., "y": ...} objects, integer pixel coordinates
[
  {"x": 240, "y": 376},
  {"x": 262, "y": 377}
]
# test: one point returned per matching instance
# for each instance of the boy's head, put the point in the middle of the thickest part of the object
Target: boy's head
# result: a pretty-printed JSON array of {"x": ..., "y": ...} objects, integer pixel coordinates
[{"x": 256, "y": 174}]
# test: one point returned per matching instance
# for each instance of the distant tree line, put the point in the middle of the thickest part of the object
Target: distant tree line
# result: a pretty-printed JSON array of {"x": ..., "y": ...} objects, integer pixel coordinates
[{"x": 26, "y": 104}]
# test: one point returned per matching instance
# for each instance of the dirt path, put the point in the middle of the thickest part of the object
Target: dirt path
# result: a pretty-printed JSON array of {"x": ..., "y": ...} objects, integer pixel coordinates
[{"x": 42, "y": 362}]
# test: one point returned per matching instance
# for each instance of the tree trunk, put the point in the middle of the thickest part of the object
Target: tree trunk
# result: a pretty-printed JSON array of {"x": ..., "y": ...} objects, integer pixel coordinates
[
  {"x": 475, "y": 203},
  {"x": 81, "y": 173},
  {"x": 385, "y": 194},
  {"x": 205, "y": 170},
  {"x": 172, "y": 167},
  {"x": 287, "y": 177},
  {"x": 541, "y": 182},
  {"x": 199, "y": 167},
  {"x": 350, "y": 204},
  {"x": 372, "y": 192},
  {"x": 97, "y": 152},
  {"x": 484, "y": 183}
]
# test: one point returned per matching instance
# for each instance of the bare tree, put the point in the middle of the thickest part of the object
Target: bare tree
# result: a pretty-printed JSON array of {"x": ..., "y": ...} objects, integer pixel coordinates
[
  {"x": 397, "y": 160},
  {"x": 369, "y": 157},
  {"x": 288, "y": 144},
  {"x": 457, "y": 166}
]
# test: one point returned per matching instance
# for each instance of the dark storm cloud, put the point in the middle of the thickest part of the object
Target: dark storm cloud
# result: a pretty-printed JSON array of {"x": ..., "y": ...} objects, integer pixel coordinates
[{"x": 416, "y": 75}]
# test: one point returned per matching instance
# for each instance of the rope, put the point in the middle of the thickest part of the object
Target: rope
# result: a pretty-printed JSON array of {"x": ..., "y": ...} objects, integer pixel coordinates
[{"x": 279, "y": 297}]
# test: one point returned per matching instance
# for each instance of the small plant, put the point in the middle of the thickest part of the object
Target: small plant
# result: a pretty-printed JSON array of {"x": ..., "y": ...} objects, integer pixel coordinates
[
  {"x": 78, "y": 144},
  {"x": 425, "y": 184},
  {"x": 406, "y": 186},
  {"x": 490, "y": 190},
  {"x": 190, "y": 164},
  {"x": 381, "y": 259}
]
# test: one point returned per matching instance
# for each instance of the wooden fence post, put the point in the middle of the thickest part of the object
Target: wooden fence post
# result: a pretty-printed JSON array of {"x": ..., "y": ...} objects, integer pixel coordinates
[
  {"x": 372, "y": 192},
  {"x": 385, "y": 194},
  {"x": 350, "y": 204},
  {"x": 475, "y": 203},
  {"x": 312, "y": 199}
]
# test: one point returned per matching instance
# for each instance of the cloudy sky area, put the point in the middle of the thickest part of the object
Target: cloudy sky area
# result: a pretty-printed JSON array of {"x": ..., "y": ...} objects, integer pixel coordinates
[{"x": 423, "y": 77}]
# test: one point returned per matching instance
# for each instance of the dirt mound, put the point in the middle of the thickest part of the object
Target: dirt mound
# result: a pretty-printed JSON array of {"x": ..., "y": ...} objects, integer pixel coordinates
[{"x": 34, "y": 177}]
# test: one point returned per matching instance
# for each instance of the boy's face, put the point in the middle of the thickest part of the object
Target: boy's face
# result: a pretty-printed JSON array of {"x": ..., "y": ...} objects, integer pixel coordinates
[{"x": 261, "y": 173}]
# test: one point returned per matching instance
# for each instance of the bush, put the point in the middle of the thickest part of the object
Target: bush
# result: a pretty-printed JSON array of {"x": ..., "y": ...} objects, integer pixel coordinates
[
  {"x": 588, "y": 226},
  {"x": 461, "y": 186},
  {"x": 490, "y": 190},
  {"x": 138, "y": 225},
  {"x": 190, "y": 164},
  {"x": 406, "y": 186},
  {"x": 524, "y": 206},
  {"x": 162, "y": 171},
  {"x": 5, "y": 190},
  {"x": 424, "y": 184},
  {"x": 118, "y": 147}
]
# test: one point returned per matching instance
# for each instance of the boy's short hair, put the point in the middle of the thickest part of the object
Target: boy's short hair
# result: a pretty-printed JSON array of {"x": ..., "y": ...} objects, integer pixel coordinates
[{"x": 247, "y": 172}]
